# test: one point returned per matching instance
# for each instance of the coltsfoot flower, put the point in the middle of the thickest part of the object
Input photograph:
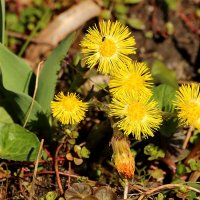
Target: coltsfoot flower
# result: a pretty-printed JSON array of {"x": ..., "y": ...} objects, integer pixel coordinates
[
  {"x": 137, "y": 115},
  {"x": 68, "y": 109},
  {"x": 135, "y": 78},
  {"x": 188, "y": 105},
  {"x": 108, "y": 46},
  {"x": 122, "y": 157}
]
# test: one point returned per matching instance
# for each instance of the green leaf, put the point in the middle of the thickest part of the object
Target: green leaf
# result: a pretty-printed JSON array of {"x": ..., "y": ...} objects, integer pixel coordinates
[
  {"x": 48, "y": 75},
  {"x": 172, "y": 5},
  {"x": 52, "y": 195},
  {"x": 17, "y": 143},
  {"x": 158, "y": 174},
  {"x": 162, "y": 74},
  {"x": 37, "y": 120},
  {"x": 2, "y": 21},
  {"x": 136, "y": 23},
  {"x": 78, "y": 161},
  {"x": 132, "y": 1},
  {"x": 154, "y": 152},
  {"x": 18, "y": 106},
  {"x": 5, "y": 117},
  {"x": 16, "y": 74},
  {"x": 164, "y": 95},
  {"x": 85, "y": 153}
]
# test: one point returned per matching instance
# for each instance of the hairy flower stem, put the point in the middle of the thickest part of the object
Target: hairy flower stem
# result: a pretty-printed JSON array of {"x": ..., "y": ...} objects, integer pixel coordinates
[{"x": 126, "y": 189}]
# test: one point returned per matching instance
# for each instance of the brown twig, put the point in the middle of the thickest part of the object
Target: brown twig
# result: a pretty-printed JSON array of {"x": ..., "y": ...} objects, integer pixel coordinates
[
  {"x": 194, "y": 153},
  {"x": 35, "y": 170},
  {"x": 188, "y": 23},
  {"x": 69, "y": 177},
  {"x": 189, "y": 133},
  {"x": 194, "y": 176},
  {"x": 138, "y": 188},
  {"x": 25, "y": 37},
  {"x": 64, "y": 174},
  {"x": 167, "y": 186},
  {"x": 57, "y": 170},
  {"x": 62, "y": 25}
]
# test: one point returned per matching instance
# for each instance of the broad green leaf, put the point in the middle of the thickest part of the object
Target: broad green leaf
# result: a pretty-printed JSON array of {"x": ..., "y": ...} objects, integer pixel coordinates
[
  {"x": 20, "y": 104},
  {"x": 48, "y": 75},
  {"x": 17, "y": 143},
  {"x": 164, "y": 95},
  {"x": 2, "y": 21},
  {"x": 162, "y": 74},
  {"x": 4, "y": 116},
  {"x": 16, "y": 74}
]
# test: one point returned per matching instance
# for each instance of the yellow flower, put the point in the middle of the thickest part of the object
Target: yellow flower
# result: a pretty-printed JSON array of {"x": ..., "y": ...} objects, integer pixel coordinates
[
  {"x": 68, "y": 109},
  {"x": 108, "y": 46},
  {"x": 122, "y": 157},
  {"x": 137, "y": 115},
  {"x": 188, "y": 104},
  {"x": 135, "y": 78}
]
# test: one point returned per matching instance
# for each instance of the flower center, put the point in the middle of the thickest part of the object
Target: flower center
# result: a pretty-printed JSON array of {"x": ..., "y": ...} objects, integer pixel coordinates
[
  {"x": 70, "y": 103},
  {"x": 136, "y": 111},
  {"x": 107, "y": 48},
  {"x": 134, "y": 81}
]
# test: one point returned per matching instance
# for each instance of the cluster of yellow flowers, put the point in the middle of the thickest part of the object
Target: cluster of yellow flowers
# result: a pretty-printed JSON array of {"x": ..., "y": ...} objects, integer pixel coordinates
[
  {"x": 108, "y": 47},
  {"x": 131, "y": 81}
]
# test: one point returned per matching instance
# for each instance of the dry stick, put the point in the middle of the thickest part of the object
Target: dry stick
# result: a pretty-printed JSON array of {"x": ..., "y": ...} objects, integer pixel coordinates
[
  {"x": 34, "y": 94},
  {"x": 25, "y": 37},
  {"x": 65, "y": 23},
  {"x": 167, "y": 186},
  {"x": 57, "y": 171},
  {"x": 35, "y": 170},
  {"x": 189, "y": 133},
  {"x": 69, "y": 177},
  {"x": 194, "y": 153},
  {"x": 65, "y": 174}
]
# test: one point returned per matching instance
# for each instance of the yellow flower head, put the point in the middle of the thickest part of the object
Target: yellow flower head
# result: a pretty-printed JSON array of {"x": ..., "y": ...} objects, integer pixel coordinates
[
  {"x": 188, "y": 104},
  {"x": 135, "y": 78},
  {"x": 68, "y": 109},
  {"x": 138, "y": 115},
  {"x": 108, "y": 46},
  {"x": 122, "y": 157}
]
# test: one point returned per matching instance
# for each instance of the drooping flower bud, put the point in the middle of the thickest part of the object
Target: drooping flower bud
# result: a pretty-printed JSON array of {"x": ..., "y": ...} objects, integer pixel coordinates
[{"x": 122, "y": 156}]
